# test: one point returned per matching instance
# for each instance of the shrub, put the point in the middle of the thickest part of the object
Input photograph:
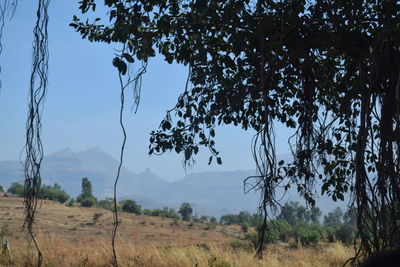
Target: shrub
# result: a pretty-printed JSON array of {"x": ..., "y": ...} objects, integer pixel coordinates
[
  {"x": 147, "y": 212},
  {"x": 245, "y": 227},
  {"x": 186, "y": 211},
  {"x": 88, "y": 202},
  {"x": 71, "y": 202},
  {"x": 53, "y": 193},
  {"x": 86, "y": 198},
  {"x": 346, "y": 234},
  {"x": 16, "y": 189},
  {"x": 272, "y": 235},
  {"x": 307, "y": 235},
  {"x": 156, "y": 212},
  {"x": 252, "y": 237},
  {"x": 131, "y": 206},
  {"x": 106, "y": 204}
]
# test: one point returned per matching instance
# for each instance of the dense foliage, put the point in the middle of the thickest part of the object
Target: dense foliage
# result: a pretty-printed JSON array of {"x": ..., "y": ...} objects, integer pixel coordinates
[
  {"x": 16, "y": 189},
  {"x": 328, "y": 69},
  {"x": 48, "y": 192},
  {"x": 299, "y": 225},
  {"x": 186, "y": 211},
  {"x": 164, "y": 212},
  {"x": 86, "y": 198},
  {"x": 130, "y": 206}
]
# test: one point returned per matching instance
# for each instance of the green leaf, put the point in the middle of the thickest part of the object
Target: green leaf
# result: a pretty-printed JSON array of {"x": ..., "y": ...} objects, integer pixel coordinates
[
  {"x": 212, "y": 132},
  {"x": 188, "y": 154},
  {"x": 128, "y": 57},
  {"x": 122, "y": 67},
  {"x": 166, "y": 125}
]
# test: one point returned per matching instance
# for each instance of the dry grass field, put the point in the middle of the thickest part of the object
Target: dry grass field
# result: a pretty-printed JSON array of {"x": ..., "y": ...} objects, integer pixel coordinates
[{"x": 75, "y": 236}]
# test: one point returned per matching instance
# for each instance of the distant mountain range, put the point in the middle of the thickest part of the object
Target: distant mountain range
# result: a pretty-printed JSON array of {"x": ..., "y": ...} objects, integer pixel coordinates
[{"x": 211, "y": 193}]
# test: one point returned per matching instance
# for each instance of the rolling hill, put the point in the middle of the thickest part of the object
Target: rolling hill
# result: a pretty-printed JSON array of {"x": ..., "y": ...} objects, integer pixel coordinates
[{"x": 211, "y": 193}]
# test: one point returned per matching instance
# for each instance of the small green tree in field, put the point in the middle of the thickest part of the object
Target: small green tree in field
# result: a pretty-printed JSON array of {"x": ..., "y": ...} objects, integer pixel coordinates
[
  {"x": 131, "y": 206},
  {"x": 1, "y": 189},
  {"x": 245, "y": 227},
  {"x": 88, "y": 202},
  {"x": 86, "y": 188},
  {"x": 17, "y": 189},
  {"x": 186, "y": 211},
  {"x": 86, "y": 198},
  {"x": 106, "y": 204},
  {"x": 334, "y": 218},
  {"x": 54, "y": 192}
]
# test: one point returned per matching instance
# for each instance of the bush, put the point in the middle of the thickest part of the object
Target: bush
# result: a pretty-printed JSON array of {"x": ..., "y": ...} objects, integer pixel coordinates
[
  {"x": 147, "y": 212},
  {"x": 346, "y": 234},
  {"x": 86, "y": 198},
  {"x": 1, "y": 189},
  {"x": 16, "y": 189},
  {"x": 272, "y": 235},
  {"x": 71, "y": 202},
  {"x": 131, "y": 206},
  {"x": 88, "y": 202},
  {"x": 186, "y": 211},
  {"x": 283, "y": 228},
  {"x": 253, "y": 238},
  {"x": 53, "y": 193},
  {"x": 245, "y": 227},
  {"x": 45, "y": 192},
  {"x": 170, "y": 213},
  {"x": 307, "y": 235},
  {"x": 156, "y": 212},
  {"x": 106, "y": 204}
]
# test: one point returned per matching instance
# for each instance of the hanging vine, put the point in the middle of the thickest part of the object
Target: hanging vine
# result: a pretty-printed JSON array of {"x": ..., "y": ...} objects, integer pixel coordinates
[
  {"x": 121, "y": 62},
  {"x": 33, "y": 146},
  {"x": 327, "y": 69}
]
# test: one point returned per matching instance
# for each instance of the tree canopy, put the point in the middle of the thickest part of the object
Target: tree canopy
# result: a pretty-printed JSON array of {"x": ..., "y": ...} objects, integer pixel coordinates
[
  {"x": 328, "y": 69},
  {"x": 186, "y": 211},
  {"x": 86, "y": 198}
]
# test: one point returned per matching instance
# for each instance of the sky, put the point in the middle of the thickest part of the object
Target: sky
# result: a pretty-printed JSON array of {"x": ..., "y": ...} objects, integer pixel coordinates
[{"x": 82, "y": 105}]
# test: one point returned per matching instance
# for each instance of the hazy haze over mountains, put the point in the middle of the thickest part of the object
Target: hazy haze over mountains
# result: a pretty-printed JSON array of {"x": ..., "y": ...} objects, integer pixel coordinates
[{"x": 211, "y": 193}]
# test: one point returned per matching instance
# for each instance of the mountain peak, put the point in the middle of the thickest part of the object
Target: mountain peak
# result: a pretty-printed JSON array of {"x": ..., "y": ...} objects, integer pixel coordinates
[
  {"x": 94, "y": 149},
  {"x": 65, "y": 152},
  {"x": 147, "y": 170}
]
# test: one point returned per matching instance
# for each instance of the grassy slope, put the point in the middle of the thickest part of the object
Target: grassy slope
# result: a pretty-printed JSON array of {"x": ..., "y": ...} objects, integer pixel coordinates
[{"x": 69, "y": 236}]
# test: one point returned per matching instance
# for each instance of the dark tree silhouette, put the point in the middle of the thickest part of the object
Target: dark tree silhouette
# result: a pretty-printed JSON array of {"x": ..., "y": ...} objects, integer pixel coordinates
[
  {"x": 329, "y": 69},
  {"x": 131, "y": 206},
  {"x": 86, "y": 198},
  {"x": 186, "y": 211}
]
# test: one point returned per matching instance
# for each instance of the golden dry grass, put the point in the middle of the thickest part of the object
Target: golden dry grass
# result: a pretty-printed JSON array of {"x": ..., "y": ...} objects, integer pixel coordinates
[{"x": 68, "y": 236}]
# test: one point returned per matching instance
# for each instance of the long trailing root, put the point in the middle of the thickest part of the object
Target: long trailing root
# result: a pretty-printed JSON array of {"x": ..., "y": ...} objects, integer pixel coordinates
[
  {"x": 136, "y": 83},
  {"x": 33, "y": 146}
]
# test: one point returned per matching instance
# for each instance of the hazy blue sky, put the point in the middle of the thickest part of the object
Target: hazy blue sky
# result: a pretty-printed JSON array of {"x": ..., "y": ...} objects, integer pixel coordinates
[{"x": 82, "y": 105}]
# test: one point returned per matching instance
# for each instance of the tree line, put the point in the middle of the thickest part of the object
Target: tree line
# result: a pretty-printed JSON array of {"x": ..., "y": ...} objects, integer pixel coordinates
[
  {"x": 296, "y": 222},
  {"x": 47, "y": 192},
  {"x": 87, "y": 199}
]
